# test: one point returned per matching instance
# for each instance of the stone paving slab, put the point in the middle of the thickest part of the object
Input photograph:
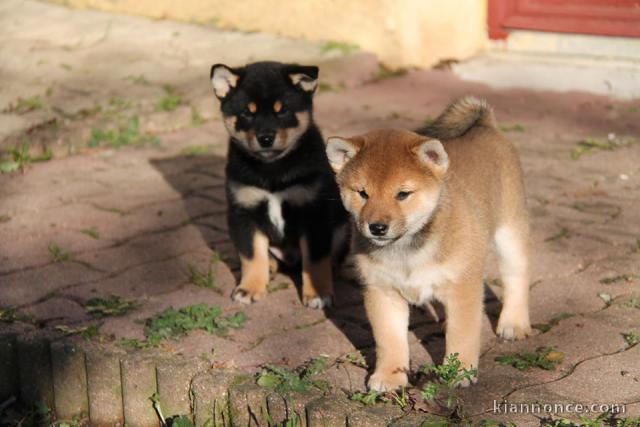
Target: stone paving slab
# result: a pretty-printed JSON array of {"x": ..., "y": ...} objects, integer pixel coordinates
[{"x": 135, "y": 222}]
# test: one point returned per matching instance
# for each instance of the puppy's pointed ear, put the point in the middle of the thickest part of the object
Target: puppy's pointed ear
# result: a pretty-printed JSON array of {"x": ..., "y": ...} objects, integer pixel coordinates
[
  {"x": 223, "y": 79},
  {"x": 341, "y": 150},
  {"x": 432, "y": 153},
  {"x": 303, "y": 76}
]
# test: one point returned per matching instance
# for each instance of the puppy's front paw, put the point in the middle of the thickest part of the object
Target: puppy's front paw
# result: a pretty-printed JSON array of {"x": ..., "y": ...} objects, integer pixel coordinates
[
  {"x": 512, "y": 328},
  {"x": 317, "y": 302},
  {"x": 466, "y": 382},
  {"x": 388, "y": 381},
  {"x": 246, "y": 296}
]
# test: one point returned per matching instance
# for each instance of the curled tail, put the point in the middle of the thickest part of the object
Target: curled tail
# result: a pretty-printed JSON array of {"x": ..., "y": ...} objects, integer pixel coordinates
[{"x": 459, "y": 117}]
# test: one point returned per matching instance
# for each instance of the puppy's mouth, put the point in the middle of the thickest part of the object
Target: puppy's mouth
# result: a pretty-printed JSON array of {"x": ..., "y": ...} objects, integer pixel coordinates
[
  {"x": 380, "y": 241},
  {"x": 268, "y": 153}
]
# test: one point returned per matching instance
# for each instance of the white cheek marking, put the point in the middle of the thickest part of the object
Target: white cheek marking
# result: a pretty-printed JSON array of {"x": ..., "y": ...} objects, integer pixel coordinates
[{"x": 298, "y": 195}]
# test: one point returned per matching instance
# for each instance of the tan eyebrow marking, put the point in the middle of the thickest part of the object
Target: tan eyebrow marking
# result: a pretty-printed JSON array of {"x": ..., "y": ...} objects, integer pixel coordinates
[
  {"x": 277, "y": 106},
  {"x": 252, "y": 107}
]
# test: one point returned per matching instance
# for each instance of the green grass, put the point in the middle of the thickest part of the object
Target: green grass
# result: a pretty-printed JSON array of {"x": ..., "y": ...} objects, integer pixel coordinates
[
  {"x": 20, "y": 157},
  {"x": 354, "y": 358},
  {"x": 342, "y": 47},
  {"x": 196, "y": 150},
  {"x": 301, "y": 379},
  {"x": 58, "y": 254},
  {"x": 203, "y": 280},
  {"x": 448, "y": 376},
  {"x": 91, "y": 232},
  {"x": 196, "y": 118},
  {"x": 173, "y": 324},
  {"x": 170, "y": 101},
  {"x": 384, "y": 73},
  {"x": 590, "y": 145},
  {"x": 517, "y": 127},
  {"x": 9, "y": 315},
  {"x": 602, "y": 420},
  {"x": 368, "y": 398},
  {"x": 564, "y": 233},
  {"x": 277, "y": 287},
  {"x": 632, "y": 303},
  {"x": 543, "y": 358},
  {"x": 112, "y": 305},
  {"x": 546, "y": 327},
  {"x": 619, "y": 278},
  {"x": 122, "y": 136},
  {"x": 632, "y": 338},
  {"x": 26, "y": 105},
  {"x": 87, "y": 332},
  {"x": 173, "y": 421},
  {"x": 140, "y": 79}
]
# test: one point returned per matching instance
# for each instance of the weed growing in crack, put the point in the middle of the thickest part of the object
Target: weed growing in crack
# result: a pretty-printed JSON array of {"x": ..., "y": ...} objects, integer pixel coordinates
[
  {"x": 20, "y": 157},
  {"x": 87, "y": 332},
  {"x": 385, "y": 73},
  {"x": 170, "y": 101},
  {"x": 128, "y": 134},
  {"x": 196, "y": 118},
  {"x": 140, "y": 79},
  {"x": 25, "y": 105},
  {"x": 277, "y": 287},
  {"x": 355, "y": 358},
  {"x": 546, "y": 327},
  {"x": 196, "y": 150},
  {"x": 59, "y": 254},
  {"x": 594, "y": 144},
  {"x": 9, "y": 315},
  {"x": 619, "y": 278},
  {"x": 173, "y": 324},
  {"x": 449, "y": 375},
  {"x": 632, "y": 338},
  {"x": 368, "y": 398},
  {"x": 342, "y": 47},
  {"x": 204, "y": 280},
  {"x": 544, "y": 358},
  {"x": 605, "y": 419},
  {"x": 112, "y": 305},
  {"x": 631, "y": 303},
  {"x": 300, "y": 379},
  {"x": 517, "y": 127},
  {"x": 172, "y": 421},
  {"x": 91, "y": 232},
  {"x": 562, "y": 234}
]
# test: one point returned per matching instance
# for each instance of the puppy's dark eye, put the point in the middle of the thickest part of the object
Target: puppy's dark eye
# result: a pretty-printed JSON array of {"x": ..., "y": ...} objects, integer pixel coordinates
[
  {"x": 363, "y": 194},
  {"x": 402, "y": 195},
  {"x": 283, "y": 111},
  {"x": 246, "y": 114}
]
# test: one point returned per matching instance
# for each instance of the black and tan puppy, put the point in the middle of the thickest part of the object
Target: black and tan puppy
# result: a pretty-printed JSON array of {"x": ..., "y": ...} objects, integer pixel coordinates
[{"x": 281, "y": 193}]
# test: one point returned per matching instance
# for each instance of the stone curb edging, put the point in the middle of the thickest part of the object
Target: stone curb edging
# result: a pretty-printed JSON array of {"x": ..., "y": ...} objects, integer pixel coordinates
[{"x": 114, "y": 387}]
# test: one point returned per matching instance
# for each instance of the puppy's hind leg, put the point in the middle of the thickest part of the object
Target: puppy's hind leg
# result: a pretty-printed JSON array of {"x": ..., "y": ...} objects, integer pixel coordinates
[
  {"x": 513, "y": 260},
  {"x": 317, "y": 278}
]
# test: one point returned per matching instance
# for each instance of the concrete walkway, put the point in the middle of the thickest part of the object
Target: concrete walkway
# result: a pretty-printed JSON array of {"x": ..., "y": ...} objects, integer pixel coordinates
[{"x": 127, "y": 220}]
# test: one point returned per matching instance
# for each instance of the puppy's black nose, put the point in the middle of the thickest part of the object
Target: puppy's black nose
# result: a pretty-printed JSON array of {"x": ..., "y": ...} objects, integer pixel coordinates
[
  {"x": 378, "y": 228},
  {"x": 266, "y": 140}
]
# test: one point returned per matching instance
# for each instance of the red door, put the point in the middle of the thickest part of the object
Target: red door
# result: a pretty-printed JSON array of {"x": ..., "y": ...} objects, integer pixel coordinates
[{"x": 602, "y": 17}]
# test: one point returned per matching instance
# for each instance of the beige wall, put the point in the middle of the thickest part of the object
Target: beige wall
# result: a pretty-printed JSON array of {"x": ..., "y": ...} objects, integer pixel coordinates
[{"x": 400, "y": 32}]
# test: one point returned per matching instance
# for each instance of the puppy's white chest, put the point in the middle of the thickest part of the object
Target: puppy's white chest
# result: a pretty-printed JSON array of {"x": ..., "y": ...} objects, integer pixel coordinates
[
  {"x": 417, "y": 280},
  {"x": 297, "y": 195}
]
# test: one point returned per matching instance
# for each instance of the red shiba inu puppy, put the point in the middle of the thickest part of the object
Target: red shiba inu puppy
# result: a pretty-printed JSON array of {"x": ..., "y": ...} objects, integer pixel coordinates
[{"x": 425, "y": 208}]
